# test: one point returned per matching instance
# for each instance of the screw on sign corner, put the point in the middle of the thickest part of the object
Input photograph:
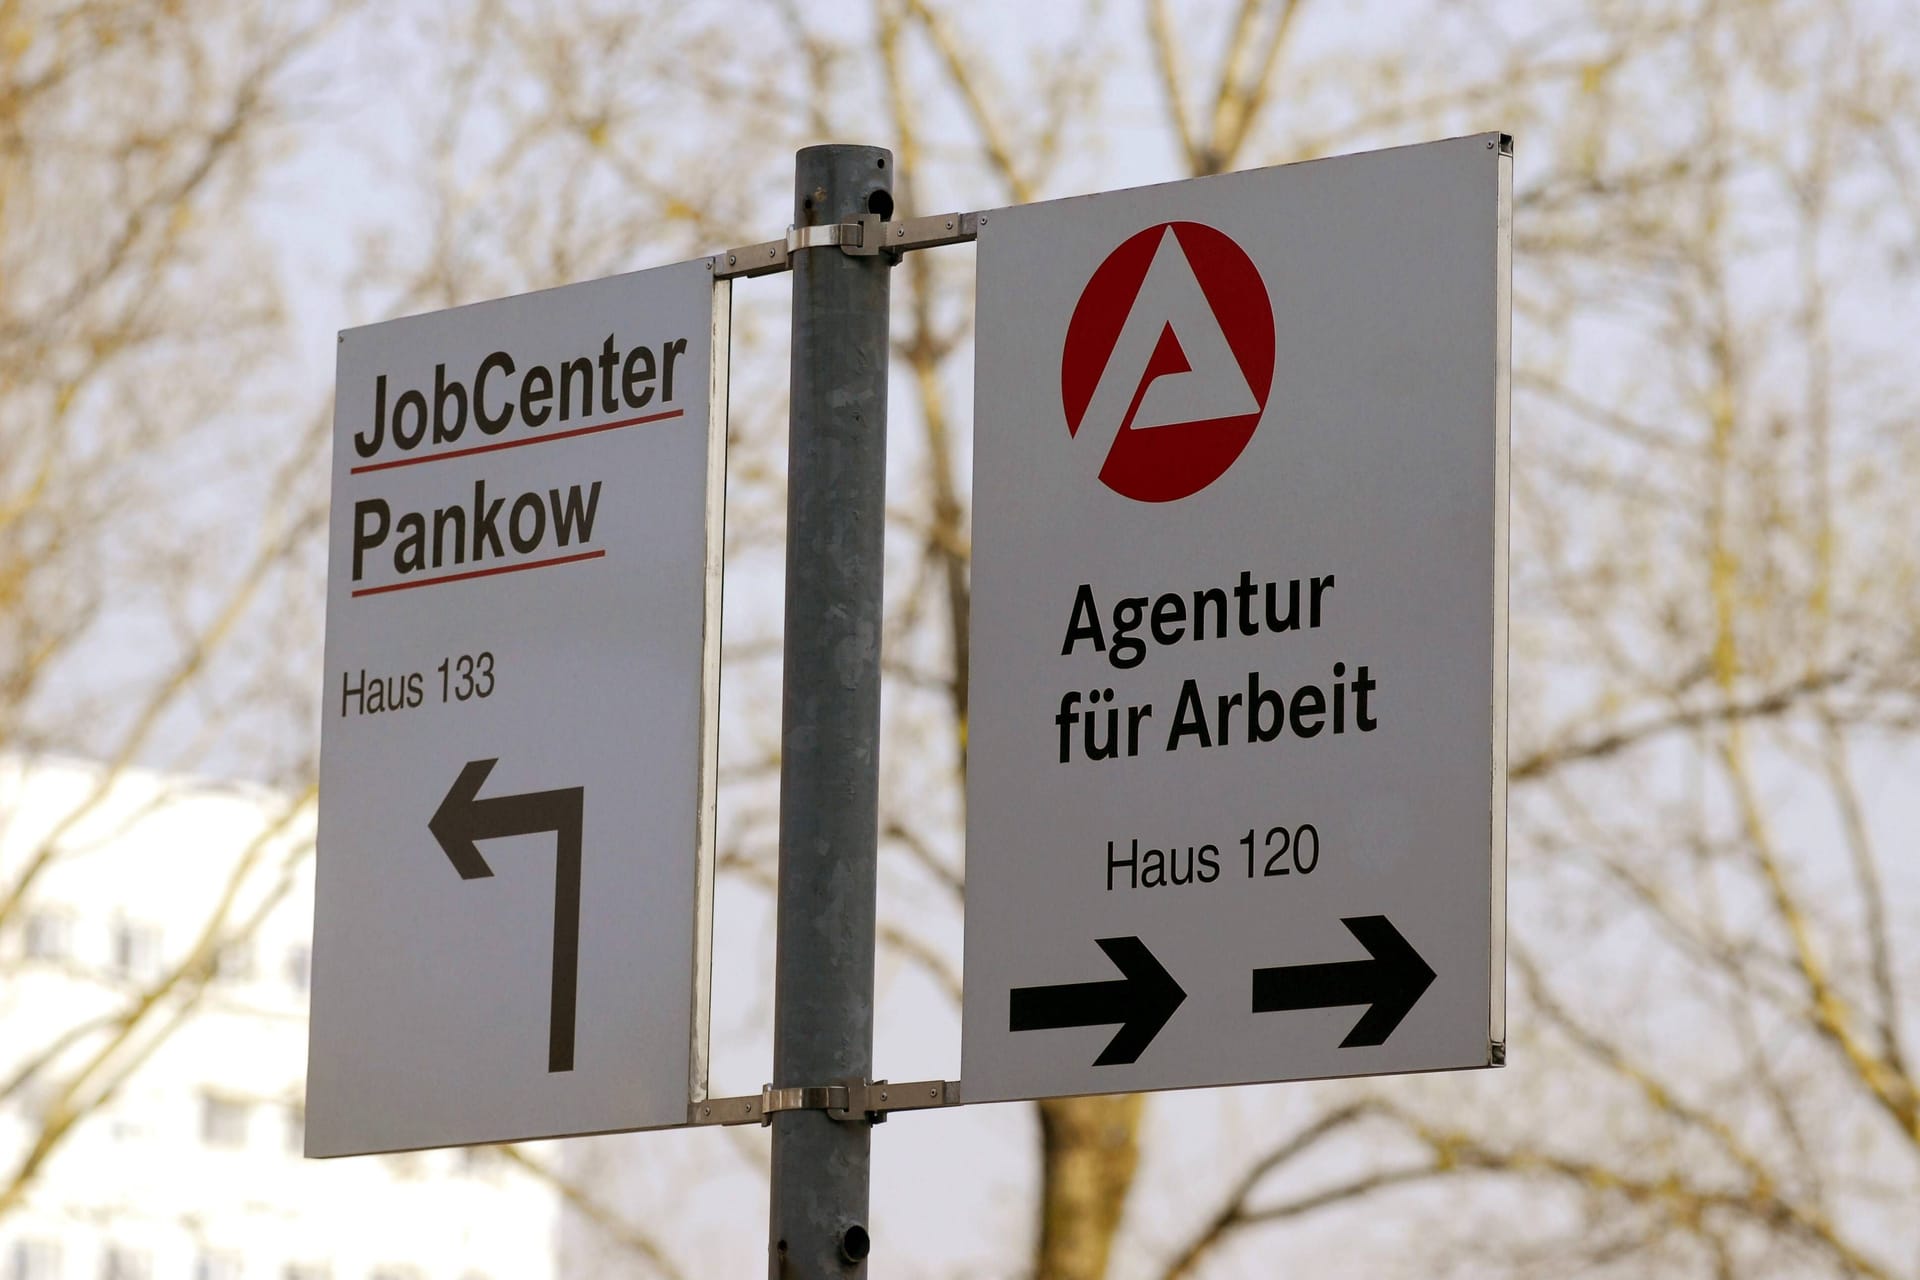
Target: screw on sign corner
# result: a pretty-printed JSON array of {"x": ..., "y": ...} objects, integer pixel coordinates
[{"x": 1181, "y": 302}]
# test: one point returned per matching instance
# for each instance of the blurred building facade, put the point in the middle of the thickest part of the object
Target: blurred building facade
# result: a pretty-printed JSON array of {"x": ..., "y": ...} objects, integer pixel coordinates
[{"x": 190, "y": 1166}]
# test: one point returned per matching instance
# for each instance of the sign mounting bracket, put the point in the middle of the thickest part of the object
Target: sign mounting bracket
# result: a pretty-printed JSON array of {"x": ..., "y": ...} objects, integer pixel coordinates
[
  {"x": 860, "y": 237},
  {"x": 848, "y": 1101}
]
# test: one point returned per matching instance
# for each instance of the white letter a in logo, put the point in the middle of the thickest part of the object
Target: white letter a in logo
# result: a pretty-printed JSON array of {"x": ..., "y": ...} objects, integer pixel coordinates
[{"x": 1171, "y": 363}]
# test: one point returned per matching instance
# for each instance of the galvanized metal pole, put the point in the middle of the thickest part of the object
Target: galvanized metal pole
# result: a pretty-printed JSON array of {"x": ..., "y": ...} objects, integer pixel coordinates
[{"x": 830, "y": 717}]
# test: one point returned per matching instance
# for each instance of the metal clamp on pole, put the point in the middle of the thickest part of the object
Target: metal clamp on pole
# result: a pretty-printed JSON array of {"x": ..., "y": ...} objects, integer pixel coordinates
[
  {"x": 801, "y": 1097},
  {"x": 861, "y": 237},
  {"x": 868, "y": 1101},
  {"x": 824, "y": 236}
]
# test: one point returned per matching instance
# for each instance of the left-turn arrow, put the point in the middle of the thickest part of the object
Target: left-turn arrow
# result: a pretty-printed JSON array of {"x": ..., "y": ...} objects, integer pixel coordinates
[{"x": 464, "y": 818}]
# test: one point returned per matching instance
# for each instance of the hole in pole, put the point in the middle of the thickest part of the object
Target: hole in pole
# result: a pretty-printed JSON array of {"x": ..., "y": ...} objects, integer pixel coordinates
[
  {"x": 855, "y": 1243},
  {"x": 881, "y": 202}
]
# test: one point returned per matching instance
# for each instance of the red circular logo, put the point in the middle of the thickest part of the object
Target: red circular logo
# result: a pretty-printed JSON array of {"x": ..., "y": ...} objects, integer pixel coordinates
[{"x": 1168, "y": 361}]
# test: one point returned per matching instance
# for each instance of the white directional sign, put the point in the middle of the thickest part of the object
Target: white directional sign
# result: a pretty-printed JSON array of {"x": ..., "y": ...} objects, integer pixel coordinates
[
  {"x": 516, "y": 783},
  {"x": 1237, "y": 734}
]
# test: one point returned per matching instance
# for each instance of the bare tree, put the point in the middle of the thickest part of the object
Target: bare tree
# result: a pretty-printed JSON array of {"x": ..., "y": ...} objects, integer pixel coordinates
[
  {"x": 1709, "y": 667},
  {"x": 132, "y": 139}
]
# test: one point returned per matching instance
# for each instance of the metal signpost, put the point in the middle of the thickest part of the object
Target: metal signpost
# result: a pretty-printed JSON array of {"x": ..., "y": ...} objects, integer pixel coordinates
[
  {"x": 1237, "y": 789},
  {"x": 830, "y": 714},
  {"x": 1236, "y": 792}
]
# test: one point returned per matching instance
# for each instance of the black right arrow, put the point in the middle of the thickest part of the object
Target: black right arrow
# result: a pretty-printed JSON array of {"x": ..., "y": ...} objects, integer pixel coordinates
[
  {"x": 463, "y": 817},
  {"x": 1392, "y": 982},
  {"x": 1141, "y": 1002}
]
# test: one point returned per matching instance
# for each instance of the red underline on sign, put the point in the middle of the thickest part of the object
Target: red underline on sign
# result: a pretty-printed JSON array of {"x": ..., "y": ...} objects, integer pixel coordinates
[
  {"x": 479, "y": 573},
  {"x": 365, "y": 467}
]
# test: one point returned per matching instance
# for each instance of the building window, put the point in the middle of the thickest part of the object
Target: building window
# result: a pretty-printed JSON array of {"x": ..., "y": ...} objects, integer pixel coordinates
[
  {"x": 122, "y": 1263},
  {"x": 136, "y": 949},
  {"x": 49, "y": 935},
  {"x": 223, "y": 1123},
  {"x": 218, "y": 1266},
  {"x": 36, "y": 1260},
  {"x": 300, "y": 966}
]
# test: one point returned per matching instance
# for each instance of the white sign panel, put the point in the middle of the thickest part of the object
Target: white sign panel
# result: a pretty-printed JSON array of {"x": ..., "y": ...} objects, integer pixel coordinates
[
  {"x": 511, "y": 931},
  {"x": 1236, "y": 780}
]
